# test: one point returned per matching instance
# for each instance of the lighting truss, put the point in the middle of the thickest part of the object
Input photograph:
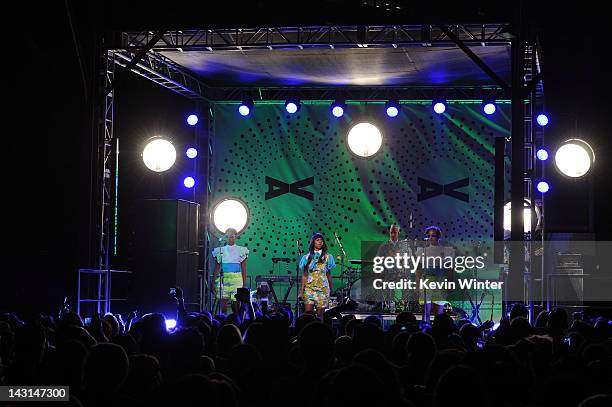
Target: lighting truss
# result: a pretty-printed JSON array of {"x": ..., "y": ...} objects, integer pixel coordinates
[
  {"x": 161, "y": 70},
  {"x": 353, "y": 36}
]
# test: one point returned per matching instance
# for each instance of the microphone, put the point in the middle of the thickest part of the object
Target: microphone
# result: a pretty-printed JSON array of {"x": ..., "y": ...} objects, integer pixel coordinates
[
  {"x": 298, "y": 244},
  {"x": 339, "y": 244}
]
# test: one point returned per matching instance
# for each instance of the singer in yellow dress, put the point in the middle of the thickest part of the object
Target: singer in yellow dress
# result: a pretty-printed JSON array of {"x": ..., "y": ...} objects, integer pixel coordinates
[{"x": 317, "y": 283}]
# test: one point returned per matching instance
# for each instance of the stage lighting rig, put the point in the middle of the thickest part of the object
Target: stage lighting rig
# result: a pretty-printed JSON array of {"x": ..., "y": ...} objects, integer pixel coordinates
[
  {"x": 574, "y": 158},
  {"x": 527, "y": 213},
  {"x": 292, "y": 106},
  {"x": 246, "y": 107},
  {"x": 542, "y": 154},
  {"x": 392, "y": 108},
  {"x": 230, "y": 213},
  {"x": 439, "y": 106},
  {"x": 364, "y": 139},
  {"x": 192, "y": 119},
  {"x": 189, "y": 182},
  {"x": 191, "y": 152},
  {"x": 489, "y": 107},
  {"x": 159, "y": 154},
  {"x": 338, "y": 107},
  {"x": 542, "y": 120}
]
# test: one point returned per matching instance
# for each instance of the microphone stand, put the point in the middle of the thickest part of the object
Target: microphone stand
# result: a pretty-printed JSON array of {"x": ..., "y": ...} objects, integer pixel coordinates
[
  {"x": 342, "y": 257},
  {"x": 298, "y": 282},
  {"x": 220, "y": 278}
]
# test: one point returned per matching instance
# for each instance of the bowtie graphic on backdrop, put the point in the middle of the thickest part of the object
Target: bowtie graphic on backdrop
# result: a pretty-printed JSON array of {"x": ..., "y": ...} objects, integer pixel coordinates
[
  {"x": 430, "y": 189},
  {"x": 277, "y": 188}
]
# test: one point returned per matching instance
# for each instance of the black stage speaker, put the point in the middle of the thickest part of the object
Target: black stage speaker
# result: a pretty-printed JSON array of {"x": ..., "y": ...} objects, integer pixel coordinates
[{"x": 166, "y": 255}]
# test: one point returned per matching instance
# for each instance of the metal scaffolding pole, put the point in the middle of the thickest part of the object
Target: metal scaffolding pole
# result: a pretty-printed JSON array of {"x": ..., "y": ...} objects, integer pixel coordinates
[
  {"x": 516, "y": 283},
  {"x": 207, "y": 242}
]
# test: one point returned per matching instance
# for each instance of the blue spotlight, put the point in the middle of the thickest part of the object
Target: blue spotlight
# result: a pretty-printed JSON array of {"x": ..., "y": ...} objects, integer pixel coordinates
[
  {"x": 170, "y": 324},
  {"x": 292, "y": 106},
  {"x": 543, "y": 186},
  {"x": 542, "y": 119},
  {"x": 392, "y": 108},
  {"x": 542, "y": 154},
  {"x": 189, "y": 182},
  {"x": 337, "y": 108},
  {"x": 439, "y": 106},
  {"x": 191, "y": 152},
  {"x": 489, "y": 107},
  {"x": 192, "y": 119},
  {"x": 246, "y": 107}
]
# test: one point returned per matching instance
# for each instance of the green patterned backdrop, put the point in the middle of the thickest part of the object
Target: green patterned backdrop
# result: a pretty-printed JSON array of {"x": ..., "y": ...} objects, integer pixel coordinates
[{"x": 358, "y": 198}]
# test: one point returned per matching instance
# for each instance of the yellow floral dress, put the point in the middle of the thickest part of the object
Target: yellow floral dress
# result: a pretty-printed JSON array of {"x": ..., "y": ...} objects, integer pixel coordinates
[{"x": 316, "y": 290}]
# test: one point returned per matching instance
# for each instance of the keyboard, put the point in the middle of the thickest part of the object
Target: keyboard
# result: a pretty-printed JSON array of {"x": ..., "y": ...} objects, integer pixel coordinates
[{"x": 274, "y": 278}]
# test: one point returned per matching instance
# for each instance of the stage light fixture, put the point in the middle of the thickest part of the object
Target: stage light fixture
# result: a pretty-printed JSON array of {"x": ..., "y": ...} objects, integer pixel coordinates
[
  {"x": 542, "y": 120},
  {"x": 527, "y": 212},
  {"x": 170, "y": 324},
  {"x": 364, "y": 139},
  {"x": 230, "y": 213},
  {"x": 189, "y": 182},
  {"x": 192, "y": 119},
  {"x": 246, "y": 107},
  {"x": 543, "y": 186},
  {"x": 191, "y": 152},
  {"x": 392, "y": 108},
  {"x": 338, "y": 108},
  {"x": 574, "y": 158},
  {"x": 489, "y": 107},
  {"x": 542, "y": 154},
  {"x": 159, "y": 154},
  {"x": 439, "y": 106},
  {"x": 292, "y": 106}
]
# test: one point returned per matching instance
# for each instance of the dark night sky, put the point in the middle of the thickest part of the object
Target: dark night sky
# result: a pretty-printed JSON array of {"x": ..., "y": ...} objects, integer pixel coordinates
[{"x": 46, "y": 187}]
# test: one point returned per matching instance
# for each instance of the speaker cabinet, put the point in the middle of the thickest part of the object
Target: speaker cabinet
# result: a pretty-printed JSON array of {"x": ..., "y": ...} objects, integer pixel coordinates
[{"x": 166, "y": 255}]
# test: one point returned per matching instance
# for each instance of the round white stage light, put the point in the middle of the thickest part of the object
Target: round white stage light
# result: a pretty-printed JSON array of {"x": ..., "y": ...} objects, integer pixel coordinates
[
  {"x": 364, "y": 139},
  {"x": 526, "y": 216},
  {"x": 574, "y": 158},
  {"x": 230, "y": 213},
  {"x": 159, "y": 155}
]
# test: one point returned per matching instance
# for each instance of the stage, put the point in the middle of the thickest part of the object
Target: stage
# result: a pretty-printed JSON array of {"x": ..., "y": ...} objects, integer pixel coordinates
[{"x": 282, "y": 155}]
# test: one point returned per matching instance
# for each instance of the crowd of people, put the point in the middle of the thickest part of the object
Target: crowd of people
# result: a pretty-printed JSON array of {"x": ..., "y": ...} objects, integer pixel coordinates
[{"x": 267, "y": 360}]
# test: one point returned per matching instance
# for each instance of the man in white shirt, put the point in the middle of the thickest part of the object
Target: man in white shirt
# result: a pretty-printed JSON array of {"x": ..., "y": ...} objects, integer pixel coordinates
[
  {"x": 232, "y": 260},
  {"x": 391, "y": 248}
]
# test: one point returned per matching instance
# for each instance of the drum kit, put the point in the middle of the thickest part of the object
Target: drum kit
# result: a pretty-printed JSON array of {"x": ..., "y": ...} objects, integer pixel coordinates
[{"x": 354, "y": 287}]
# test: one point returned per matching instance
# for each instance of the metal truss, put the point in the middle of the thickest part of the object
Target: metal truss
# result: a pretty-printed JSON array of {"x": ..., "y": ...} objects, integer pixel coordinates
[
  {"x": 105, "y": 186},
  {"x": 161, "y": 70},
  {"x": 106, "y": 156},
  {"x": 205, "y": 172},
  {"x": 352, "y": 36},
  {"x": 361, "y": 93},
  {"x": 534, "y": 169}
]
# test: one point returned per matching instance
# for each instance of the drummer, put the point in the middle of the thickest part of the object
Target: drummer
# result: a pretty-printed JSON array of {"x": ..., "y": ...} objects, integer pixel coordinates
[
  {"x": 434, "y": 300},
  {"x": 390, "y": 249}
]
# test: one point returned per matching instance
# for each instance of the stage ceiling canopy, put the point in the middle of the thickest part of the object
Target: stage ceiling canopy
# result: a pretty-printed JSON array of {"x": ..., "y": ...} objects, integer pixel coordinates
[{"x": 402, "y": 66}]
